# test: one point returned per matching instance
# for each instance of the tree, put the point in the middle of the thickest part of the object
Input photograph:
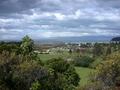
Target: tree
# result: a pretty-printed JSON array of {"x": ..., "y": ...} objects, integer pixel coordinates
[
  {"x": 30, "y": 75},
  {"x": 27, "y": 45},
  {"x": 109, "y": 50},
  {"x": 8, "y": 62},
  {"x": 107, "y": 75},
  {"x": 64, "y": 75},
  {"x": 109, "y": 72},
  {"x": 17, "y": 72},
  {"x": 98, "y": 50},
  {"x": 70, "y": 51},
  {"x": 36, "y": 86},
  {"x": 83, "y": 61}
]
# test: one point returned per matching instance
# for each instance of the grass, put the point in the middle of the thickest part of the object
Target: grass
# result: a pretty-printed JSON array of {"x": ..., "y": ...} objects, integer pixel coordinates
[
  {"x": 84, "y": 74},
  {"x": 64, "y": 55}
]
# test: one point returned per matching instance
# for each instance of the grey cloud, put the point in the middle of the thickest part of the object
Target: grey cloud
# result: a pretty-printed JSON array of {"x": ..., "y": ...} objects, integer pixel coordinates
[
  {"x": 16, "y": 6},
  {"x": 109, "y": 3},
  {"x": 39, "y": 17}
]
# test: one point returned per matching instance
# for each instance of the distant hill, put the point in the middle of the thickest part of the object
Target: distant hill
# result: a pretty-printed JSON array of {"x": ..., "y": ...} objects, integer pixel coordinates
[
  {"x": 116, "y": 39},
  {"x": 60, "y": 40},
  {"x": 74, "y": 39}
]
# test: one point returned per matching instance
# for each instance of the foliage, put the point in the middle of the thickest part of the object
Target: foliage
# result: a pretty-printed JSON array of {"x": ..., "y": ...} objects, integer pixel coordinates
[
  {"x": 27, "y": 45},
  {"x": 35, "y": 86},
  {"x": 7, "y": 64},
  {"x": 92, "y": 86},
  {"x": 29, "y": 72},
  {"x": 24, "y": 70},
  {"x": 109, "y": 71},
  {"x": 107, "y": 76},
  {"x": 9, "y": 47},
  {"x": 18, "y": 73},
  {"x": 98, "y": 49},
  {"x": 108, "y": 51},
  {"x": 64, "y": 74},
  {"x": 83, "y": 61}
]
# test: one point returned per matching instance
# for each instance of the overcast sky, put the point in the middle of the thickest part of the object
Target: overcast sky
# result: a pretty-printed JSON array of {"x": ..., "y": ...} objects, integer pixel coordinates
[{"x": 59, "y": 18}]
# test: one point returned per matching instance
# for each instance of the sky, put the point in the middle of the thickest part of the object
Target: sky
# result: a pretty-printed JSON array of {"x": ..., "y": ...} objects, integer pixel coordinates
[{"x": 45, "y": 19}]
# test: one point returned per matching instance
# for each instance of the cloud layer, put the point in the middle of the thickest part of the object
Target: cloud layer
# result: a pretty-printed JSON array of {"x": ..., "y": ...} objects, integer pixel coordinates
[{"x": 59, "y": 18}]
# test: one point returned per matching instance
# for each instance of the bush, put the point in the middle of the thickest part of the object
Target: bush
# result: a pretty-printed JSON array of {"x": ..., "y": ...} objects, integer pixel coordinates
[
  {"x": 107, "y": 75},
  {"x": 36, "y": 86},
  {"x": 109, "y": 71},
  {"x": 18, "y": 72},
  {"x": 64, "y": 75},
  {"x": 83, "y": 61}
]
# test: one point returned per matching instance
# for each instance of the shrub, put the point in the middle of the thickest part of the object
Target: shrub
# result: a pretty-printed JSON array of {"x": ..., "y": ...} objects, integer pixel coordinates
[
  {"x": 83, "y": 61},
  {"x": 18, "y": 72},
  {"x": 64, "y": 74},
  {"x": 107, "y": 76},
  {"x": 36, "y": 86},
  {"x": 109, "y": 71}
]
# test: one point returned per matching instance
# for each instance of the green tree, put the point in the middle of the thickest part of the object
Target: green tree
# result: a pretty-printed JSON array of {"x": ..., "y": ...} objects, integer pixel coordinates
[
  {"x": 83, "y": 61},
  {"x": 70, "y": 51},
  {"x": 98, "y": 50},
  {"x": 64, "y": 75},
  {"x": 106, "y": 76},
  {"x": 28, "y": 73},
  {"x": 108, "y": 73},
  {"x": 27, "y": 45},
  {"x": 109, "y": 50},
  {"x": 18, "y": 72},
  {"x": 36, "y": 86}
]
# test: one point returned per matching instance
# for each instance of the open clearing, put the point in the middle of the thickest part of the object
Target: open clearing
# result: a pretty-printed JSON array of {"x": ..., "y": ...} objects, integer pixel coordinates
[{"x": 84, "y": 74}]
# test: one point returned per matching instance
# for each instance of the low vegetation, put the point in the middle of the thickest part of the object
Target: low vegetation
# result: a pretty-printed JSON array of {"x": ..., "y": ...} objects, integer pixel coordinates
[
  {"x": 25, "y": 71},
  {"x": 83, "y": 61},
  {"x": 69, "y": 67}
]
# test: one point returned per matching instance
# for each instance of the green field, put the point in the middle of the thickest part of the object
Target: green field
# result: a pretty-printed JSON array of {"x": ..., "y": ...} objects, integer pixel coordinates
[
  {"x": 84, "y": 74},
  {"x": 64, "y": 55}
]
